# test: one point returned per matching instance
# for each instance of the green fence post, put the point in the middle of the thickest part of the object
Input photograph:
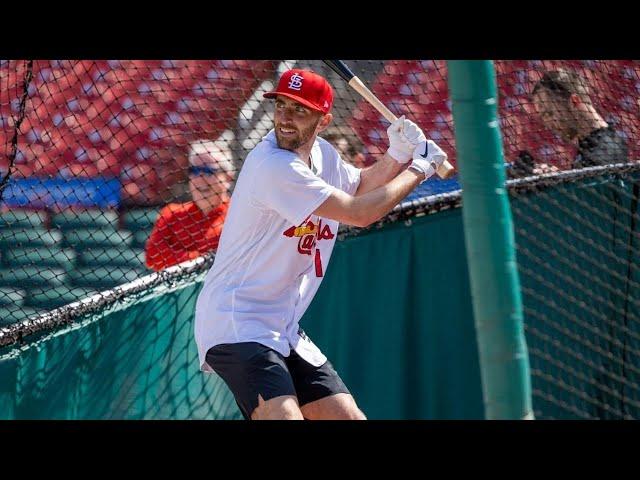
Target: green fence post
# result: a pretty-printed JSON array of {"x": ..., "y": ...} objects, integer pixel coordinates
[{"x": 489, "y": 239}]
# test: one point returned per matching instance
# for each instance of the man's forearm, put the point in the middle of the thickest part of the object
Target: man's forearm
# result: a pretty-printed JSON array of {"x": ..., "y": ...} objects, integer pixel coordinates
[
  {"x": 363, "y": 210},
  {"x": 378, "y": 174},
  {"x": 375, "y": 204},
  {"x": 388, "y": 182}
]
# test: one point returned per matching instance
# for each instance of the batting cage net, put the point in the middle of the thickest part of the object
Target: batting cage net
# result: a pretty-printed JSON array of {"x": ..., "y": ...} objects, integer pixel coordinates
[{"x": 114, "y": 172}]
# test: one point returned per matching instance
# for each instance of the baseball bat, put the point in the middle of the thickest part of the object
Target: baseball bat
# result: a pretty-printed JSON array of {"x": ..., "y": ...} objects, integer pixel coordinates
[{"x": 444, "y": 171}]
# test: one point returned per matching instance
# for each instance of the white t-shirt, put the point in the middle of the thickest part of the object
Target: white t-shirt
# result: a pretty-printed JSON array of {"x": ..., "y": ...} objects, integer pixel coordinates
[{"x": 273, "y": 251}]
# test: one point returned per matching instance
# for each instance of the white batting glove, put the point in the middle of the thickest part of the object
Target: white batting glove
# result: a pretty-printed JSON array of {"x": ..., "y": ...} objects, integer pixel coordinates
[
  {"x": 427, "y": 157},
  {"x": 404, "y": 135}
]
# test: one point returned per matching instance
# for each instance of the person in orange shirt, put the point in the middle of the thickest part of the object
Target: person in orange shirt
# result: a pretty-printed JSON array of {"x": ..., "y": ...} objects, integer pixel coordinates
[{"x": 184, "y": 231}]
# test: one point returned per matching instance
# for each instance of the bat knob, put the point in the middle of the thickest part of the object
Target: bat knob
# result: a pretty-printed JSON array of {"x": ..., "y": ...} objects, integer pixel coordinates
[{"x": 446, "y": 171}]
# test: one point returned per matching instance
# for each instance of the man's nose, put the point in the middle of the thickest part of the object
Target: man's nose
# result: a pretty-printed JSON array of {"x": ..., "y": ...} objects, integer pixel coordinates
[{"x": 287, "y": 114}]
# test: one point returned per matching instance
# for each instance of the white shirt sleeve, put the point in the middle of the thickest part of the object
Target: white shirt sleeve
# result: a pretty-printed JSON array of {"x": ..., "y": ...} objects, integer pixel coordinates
[
  {"x": 283, "y": 183},
  {"x": 349, "y": 177}
]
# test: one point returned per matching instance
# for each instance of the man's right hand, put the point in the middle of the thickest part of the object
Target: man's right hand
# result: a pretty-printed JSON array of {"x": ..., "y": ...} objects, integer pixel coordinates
[
  {"x": 427, "y": 157},
  {"x": 404, "y": 135}
]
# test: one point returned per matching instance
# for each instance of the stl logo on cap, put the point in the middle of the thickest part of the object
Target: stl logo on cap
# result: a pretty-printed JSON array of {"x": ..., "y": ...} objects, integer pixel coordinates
[
  {"x": 295, "y": 82},
  {"x": 316, "y": 93}
]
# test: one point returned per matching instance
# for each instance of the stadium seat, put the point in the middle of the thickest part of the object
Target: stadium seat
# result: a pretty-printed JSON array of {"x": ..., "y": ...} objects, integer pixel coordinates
[
  {"x": 84, "y": 219},
  {"x": 140, "y": 219},
  {"x": 89, "y": 238},
  {"x": 102, "y": 278},
  {"x": 25, "y": 276},
  {"x": 114, "y": 256},
  {"x": 51, "y": 298},
  {"x": 23, "y": 218},
  {"x": 77, "y": 100},
  {"x": 12, "y": 296},
  {"x": 64, "y": 258},
  {"x": 28, "y": 237}
]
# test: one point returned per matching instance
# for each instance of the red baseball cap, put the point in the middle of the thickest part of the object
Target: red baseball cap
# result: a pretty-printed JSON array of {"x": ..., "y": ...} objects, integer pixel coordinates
[{"x": 306, "y": 87}]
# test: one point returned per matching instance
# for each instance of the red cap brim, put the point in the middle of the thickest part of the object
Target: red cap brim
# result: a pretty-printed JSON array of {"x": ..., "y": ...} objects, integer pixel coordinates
[{"x": 298, "y": 99}]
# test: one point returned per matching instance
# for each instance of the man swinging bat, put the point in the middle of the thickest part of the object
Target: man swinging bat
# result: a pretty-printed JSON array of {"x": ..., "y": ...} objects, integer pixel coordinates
[{"x": 290, "y": 197}]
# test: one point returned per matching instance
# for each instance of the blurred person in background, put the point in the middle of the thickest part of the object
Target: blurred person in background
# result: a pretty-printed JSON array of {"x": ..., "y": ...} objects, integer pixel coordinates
[
  {"x": 140, "y": 186},
  {"x": 525, "y": 166},
  {"x": 184, "y": 231},
  {"x": 562, "y": 102},
  {"x": 347, "y": 143}
]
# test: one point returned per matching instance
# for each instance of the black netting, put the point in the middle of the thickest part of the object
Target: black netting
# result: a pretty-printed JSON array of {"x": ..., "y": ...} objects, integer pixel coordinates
[
  {"x": 578, "y": 262},
  {"x": 108, "y": 168}
]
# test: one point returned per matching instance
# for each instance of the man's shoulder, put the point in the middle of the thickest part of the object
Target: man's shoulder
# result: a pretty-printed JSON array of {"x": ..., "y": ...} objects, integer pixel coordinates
[
  {"x": 323, "y": 143},
  {"x": 220, "y": 210},
  {"x": 601, "y": 147},
  {"x": 267, "y": 148},
  {"x": 331, "y": 157},
  {"x": 619, "y": 136},
  {"x": 267, "y": 154},
  {"x": 602, "y": 135},
  {"x": 327, "y": 147}
]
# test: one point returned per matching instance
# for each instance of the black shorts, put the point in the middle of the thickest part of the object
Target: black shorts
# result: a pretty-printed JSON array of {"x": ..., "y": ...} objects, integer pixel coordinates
[{"x": 250, "y": 368}]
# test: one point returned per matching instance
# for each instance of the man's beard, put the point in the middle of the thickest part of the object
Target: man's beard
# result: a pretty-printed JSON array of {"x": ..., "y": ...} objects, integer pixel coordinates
[{"x": 296, "y": 142}]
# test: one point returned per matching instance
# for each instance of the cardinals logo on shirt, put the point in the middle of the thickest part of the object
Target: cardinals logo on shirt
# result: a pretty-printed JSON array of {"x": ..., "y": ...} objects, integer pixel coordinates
[{"x": 308, "y": 233}]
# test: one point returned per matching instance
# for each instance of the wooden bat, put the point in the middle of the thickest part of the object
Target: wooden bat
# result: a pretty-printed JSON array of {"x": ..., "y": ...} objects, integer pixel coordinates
[{"x": 444, "y": 171}]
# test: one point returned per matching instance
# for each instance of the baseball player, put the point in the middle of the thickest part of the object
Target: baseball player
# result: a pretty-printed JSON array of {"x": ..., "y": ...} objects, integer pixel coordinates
[{"x": 290, "y": 197}]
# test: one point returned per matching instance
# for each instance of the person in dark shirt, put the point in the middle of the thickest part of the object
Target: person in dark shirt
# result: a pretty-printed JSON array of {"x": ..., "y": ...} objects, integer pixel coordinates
[
  {"x": 603, "y": 146},
  {"x": 562, "y": 102},
  {"x": 525, "y": 166}
]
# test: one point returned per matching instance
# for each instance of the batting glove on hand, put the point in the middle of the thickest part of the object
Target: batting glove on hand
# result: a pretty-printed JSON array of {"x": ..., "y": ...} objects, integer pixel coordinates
[
  {"x": 404, "y": 135},
  {"x": 427, "y": 157}
]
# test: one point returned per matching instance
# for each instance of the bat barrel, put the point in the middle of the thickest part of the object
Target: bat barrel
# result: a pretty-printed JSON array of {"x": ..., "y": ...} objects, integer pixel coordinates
[{"x": 341, "y": 69}]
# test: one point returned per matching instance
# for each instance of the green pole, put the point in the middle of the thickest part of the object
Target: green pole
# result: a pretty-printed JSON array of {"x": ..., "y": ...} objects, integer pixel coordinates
[{"x": 489, "y": 239}]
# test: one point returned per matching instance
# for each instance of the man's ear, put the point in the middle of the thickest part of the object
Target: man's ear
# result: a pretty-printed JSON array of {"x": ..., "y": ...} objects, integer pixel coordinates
[{"x": 325, "y": 121}]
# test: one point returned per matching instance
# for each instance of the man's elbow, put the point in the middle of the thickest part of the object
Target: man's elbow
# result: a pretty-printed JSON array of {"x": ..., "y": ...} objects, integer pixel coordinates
[
  {"x": 362, "y": 220},
  {"x": 359, "y": 224},
  {"x": 348, "y": 210}
]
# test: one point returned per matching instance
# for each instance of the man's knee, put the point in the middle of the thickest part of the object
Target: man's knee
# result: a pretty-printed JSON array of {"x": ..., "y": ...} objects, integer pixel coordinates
[
  {"x": 350, "y": 411},
  {"x": 355, "y": 414},
  {"x": 341, "y": 406},
  {"x": 279, "y": 408}
]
